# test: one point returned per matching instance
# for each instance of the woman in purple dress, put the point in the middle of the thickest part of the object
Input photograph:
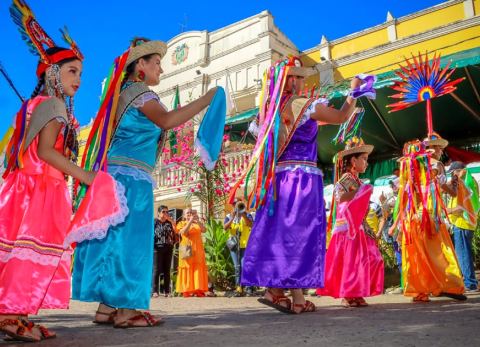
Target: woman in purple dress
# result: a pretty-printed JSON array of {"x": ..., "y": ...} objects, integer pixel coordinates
[{"x": 286, "y": 249}]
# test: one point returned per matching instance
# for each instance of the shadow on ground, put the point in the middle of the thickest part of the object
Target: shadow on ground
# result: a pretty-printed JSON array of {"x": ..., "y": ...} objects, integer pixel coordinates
[{"x": 438, "y": 323}]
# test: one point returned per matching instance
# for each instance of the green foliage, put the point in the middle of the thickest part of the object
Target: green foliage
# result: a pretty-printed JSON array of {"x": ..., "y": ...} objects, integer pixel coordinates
[
  {"x": 388, "y": 254},
  {"x": 220, "y": 266}
]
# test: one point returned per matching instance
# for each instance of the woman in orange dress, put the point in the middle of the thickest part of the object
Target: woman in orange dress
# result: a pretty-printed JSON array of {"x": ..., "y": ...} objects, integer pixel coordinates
[{"x": 192, "y": 278}]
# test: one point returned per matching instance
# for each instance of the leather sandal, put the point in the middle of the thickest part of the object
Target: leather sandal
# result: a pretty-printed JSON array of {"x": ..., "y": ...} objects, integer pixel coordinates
[
  {"x": 349, "y": 302},
  {"x": 22, "y": 326},
  {"x": 45, "y": 334},
  {"x": 421, "y": 298},
  {"x": 276, "y": 302},
  {"x": 141, "y": 316},
  {"x": 308, "y": 306}
]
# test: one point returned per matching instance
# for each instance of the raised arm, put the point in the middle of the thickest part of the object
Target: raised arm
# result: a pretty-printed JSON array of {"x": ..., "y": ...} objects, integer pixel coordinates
[
  {"x": 333, "y": 116},
  {"x": 169, "y": 120},
  {"x": 46, "y": 151}
]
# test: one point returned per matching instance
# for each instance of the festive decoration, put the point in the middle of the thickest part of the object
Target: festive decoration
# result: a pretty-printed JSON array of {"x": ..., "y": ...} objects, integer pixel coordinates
[
  {"x": 419, "y": 194},
  {"x": 15, "y": 148},
  {"x": 264, "y": 158},
  {"x": 422, "y": 80},
  {"x": 351, "y": 127}
]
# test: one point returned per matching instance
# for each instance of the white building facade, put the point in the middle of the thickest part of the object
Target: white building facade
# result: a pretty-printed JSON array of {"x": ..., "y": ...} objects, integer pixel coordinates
[{"x": 233, "y": 57}]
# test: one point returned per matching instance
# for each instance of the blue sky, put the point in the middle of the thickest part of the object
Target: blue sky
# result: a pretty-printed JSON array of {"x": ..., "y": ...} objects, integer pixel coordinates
[{"x": 103, "y": 29}]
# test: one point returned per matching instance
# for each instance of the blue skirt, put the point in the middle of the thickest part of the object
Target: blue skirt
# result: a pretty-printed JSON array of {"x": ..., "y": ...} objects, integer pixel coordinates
[{"x": 117, "y": 270}]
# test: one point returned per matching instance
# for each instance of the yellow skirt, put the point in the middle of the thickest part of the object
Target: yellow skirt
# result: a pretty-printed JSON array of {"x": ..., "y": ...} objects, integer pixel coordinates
[
  {"x": 429, "y": 264},
  {"x": 192, "y": 279}
]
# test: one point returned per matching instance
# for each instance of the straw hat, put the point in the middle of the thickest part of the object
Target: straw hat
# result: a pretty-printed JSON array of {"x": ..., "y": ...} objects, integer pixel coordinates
[
  {"x": 296, "y": 68},
  {"x": 435, "y": 140},
  {"x": 141, "y": 47},
  {"x": 353, "y": 146}
]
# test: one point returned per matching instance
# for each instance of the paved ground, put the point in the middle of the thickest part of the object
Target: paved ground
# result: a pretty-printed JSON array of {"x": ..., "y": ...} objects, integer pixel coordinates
[{"x": 391, "y": 320}]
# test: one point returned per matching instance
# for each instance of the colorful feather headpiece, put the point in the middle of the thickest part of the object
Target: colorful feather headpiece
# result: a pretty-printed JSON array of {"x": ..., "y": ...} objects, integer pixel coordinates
[
  {"x": 38, "y": 40},
  {"x": 422, "y": 80}
]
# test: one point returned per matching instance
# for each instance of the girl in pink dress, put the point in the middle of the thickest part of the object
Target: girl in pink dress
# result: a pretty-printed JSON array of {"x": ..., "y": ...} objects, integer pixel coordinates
[
  {"x": 36, "y": 227},
  {"x": 354, "y": 265}
]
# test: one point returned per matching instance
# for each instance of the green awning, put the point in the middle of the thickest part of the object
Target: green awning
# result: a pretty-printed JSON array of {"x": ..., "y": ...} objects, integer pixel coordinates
[
  {"x": 242, "y": 117},
  {"x": 458, "y": 60},
  {"x": 455, "y": 117}
]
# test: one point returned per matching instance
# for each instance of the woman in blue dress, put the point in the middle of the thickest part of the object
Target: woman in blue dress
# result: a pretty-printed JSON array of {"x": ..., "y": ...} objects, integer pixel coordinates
[{"x": 116, "y": 271}]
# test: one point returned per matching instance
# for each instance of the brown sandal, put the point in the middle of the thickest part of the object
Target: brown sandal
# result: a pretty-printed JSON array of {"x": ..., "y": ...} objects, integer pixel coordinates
[
  {"x": 45, "y": 333},
  {"x": 421, "y": 298},
  {"x": 349, "y": 302},
  {"x": 276, "y": 302},
  {"x": 308, "y": 306},
  {"x": 142, "y": 316},
  {"x": 19, "y": 333},
  {"x": 109, "y": 321},
  {"x": 361, "y": 302}
]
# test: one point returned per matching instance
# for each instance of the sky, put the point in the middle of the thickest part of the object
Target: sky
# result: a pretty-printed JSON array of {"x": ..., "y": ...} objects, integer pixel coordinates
[{"x": 104, "y": 28}]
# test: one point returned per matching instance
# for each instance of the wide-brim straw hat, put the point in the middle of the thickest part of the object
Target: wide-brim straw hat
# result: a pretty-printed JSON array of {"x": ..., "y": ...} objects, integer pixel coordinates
[
  {"x": 355, "y": 146},
  {"x": 435, "y": 140},
  {"x": 358, "y": 149},
  {"x": 143, "y": 48}
]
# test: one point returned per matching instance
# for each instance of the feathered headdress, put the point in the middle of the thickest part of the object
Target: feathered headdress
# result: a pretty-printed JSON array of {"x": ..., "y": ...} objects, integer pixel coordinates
[{"x": 38, "y": 40}]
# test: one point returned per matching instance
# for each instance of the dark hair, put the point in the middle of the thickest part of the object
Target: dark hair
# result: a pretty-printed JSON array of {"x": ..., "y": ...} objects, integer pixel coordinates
[
  {"x": 161, "y": 208},
  {"x": 131, "y": 67},
  {"x": 346, "y": 161},
  {"x": 41, "y": 79}
]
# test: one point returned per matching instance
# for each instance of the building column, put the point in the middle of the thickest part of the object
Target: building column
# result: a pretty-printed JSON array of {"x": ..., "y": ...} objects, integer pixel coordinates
[
  {"x": 391, "y": 29},
  {"x": 468, "y": 8}
]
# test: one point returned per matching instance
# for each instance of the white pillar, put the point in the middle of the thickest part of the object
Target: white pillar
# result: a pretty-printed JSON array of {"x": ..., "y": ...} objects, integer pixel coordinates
[
  {"x": 391, "y": 29},
  {"x": 468, "y": 8}
]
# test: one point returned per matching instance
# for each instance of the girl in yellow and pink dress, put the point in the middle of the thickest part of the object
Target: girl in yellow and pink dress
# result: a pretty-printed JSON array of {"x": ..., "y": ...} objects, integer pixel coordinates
[{"x": 36, "y": 228}]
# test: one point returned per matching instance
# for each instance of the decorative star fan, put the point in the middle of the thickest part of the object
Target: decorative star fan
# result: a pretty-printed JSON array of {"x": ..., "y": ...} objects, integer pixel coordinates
[{"x": 422, "y": 80}]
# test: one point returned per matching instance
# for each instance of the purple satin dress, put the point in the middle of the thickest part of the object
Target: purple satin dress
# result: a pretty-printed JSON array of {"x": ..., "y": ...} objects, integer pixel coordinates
[{"x": 287, "y": 249}]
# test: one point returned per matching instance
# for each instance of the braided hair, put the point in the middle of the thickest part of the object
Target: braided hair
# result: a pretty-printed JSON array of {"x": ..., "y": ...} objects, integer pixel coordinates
[
  {"x": 347, "y": 163},
  {"x": 38, "y": 87}
]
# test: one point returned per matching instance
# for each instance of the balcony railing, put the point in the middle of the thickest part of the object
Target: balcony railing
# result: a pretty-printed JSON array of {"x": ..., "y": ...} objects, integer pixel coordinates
[{"x": 166, "y": 177}]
